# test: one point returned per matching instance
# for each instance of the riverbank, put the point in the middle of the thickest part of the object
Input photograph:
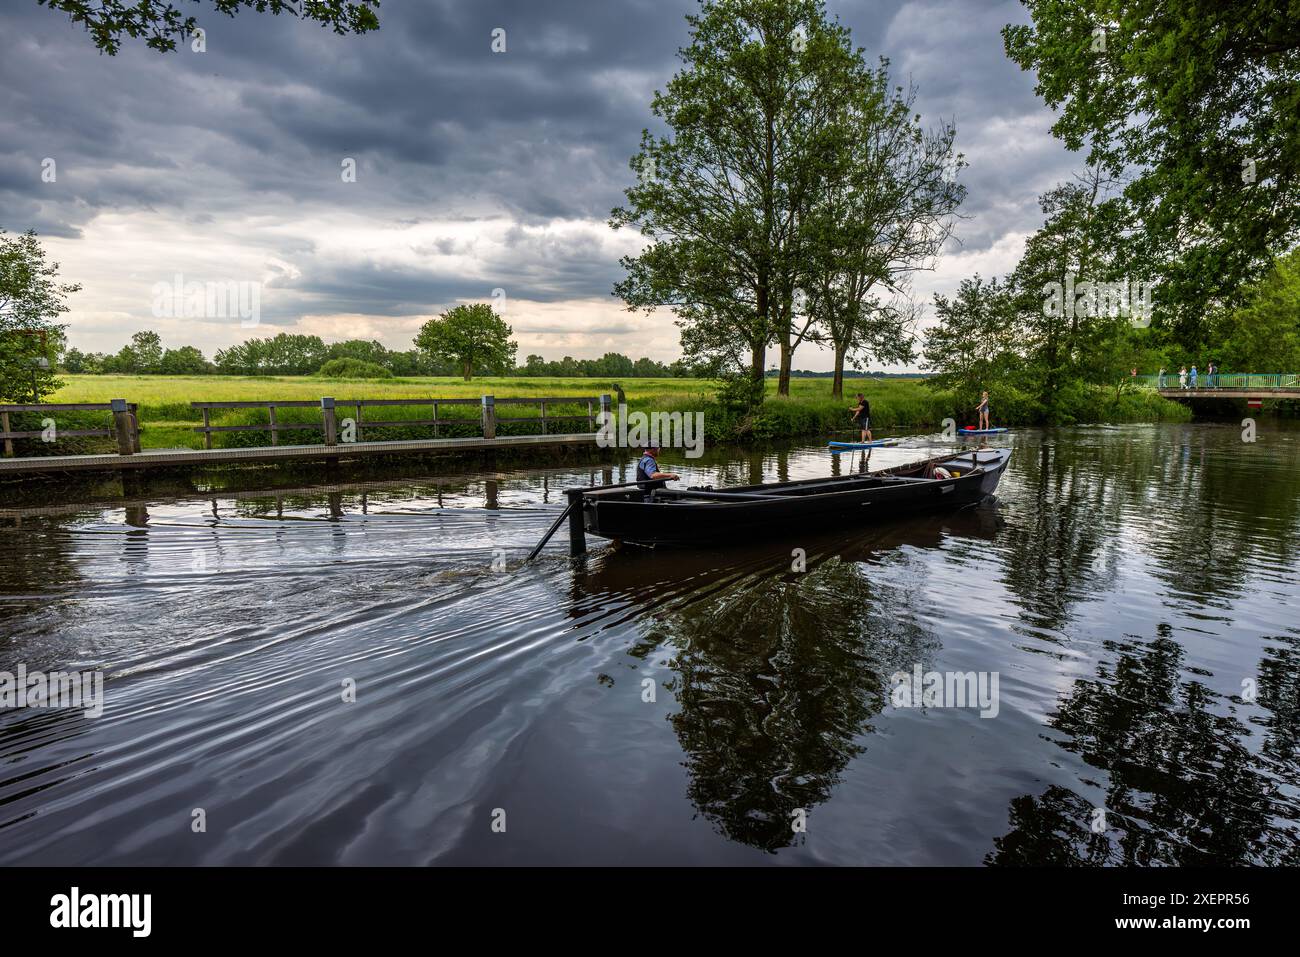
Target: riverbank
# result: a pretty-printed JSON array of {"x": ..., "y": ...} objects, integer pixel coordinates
[{"x": 167, "y": 421}]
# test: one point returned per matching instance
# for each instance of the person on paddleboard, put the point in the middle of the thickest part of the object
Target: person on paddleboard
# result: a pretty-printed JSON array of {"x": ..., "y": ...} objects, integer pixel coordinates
[
  {"x": 983, "y": 410},
  {"x": 861, "y": 414},
  {"x": 647, "y": 470}
]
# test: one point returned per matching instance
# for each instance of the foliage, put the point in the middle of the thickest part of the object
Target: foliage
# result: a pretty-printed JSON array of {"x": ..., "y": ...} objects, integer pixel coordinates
[
  {"x": 721, "y": 200},
  {"x": 353, "y": 369},
  {"x": 1199, "y": 105},
  {"x": 107, "y": 21},
  {"x": 472, "y": 337},
  {"x": 1264, "y": 334},
  {"x": 884, "y": 216},
  {"x": 282, "y": 354},
  {"x": 31, "y": 301}
]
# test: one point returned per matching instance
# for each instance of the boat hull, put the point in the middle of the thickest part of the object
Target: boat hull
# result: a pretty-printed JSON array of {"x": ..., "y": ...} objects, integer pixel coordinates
[{"x": 789, "y": 508}]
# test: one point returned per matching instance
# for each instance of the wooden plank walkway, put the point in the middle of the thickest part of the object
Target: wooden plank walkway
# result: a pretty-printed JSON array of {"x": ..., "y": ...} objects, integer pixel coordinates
[{"x": 173, "y": 458}]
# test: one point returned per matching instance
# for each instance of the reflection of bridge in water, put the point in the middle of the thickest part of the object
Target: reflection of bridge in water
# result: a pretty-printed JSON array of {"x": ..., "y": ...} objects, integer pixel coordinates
[{"x": 1225, "y": 385}]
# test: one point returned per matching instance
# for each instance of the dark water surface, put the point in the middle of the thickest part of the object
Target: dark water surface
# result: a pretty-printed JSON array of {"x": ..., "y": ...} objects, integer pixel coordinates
[{"x": 1135, "y": 589}]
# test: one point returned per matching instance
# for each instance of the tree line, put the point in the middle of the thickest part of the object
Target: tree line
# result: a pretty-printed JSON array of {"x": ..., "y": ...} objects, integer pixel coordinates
[{"x": 294, "y": 354}]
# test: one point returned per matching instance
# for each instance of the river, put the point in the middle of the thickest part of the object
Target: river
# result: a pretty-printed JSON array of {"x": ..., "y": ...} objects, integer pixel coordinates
[{"x": 370, "y": 674}]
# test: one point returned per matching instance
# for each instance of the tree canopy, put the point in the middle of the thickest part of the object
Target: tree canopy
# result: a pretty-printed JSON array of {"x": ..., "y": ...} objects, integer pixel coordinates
[
  {"x": 472, "y": 336},
  {"x": 31, "y": 301},
  {"x": 1198, "y": 104},
  {"x": 162, "y": 23}
]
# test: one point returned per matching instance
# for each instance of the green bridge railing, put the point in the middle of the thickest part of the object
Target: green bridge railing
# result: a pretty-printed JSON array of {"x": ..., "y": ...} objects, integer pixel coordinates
[{"x": 1222, "y": 380}]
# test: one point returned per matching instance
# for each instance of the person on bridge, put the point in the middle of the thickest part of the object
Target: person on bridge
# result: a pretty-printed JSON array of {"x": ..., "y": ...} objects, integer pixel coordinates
[
  {"x": 1211, "y": 372},
  {"x": 1182, "y": 377},
  {"x": 1193, "y": 376},
  {"x": 1160, "y": 379}
]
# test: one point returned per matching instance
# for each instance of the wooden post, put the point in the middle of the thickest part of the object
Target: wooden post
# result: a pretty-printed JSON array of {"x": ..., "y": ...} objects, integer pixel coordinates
[
  {"x": 489, "y": 417},
  {"x": 331, "y": 425},
  {"x": 605, "y": 413},
  {"x": 356, "y": 426},
  {"x": 135, "y": 427},
  {"x": 275, "y": 434},
  {"x": 4, "y": 427},
  {"x": 207, "y": 424},
  {"x": 543, "y": 418},
  {"x": 122, "y": 426},
  {"x": 577, "y": 536},
  {"x": 435, "y": 420}
]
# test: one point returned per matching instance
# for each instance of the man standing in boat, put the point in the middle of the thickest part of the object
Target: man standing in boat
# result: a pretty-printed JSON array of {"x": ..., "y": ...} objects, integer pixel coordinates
[
  {"x": 862, "y": 416},
  {"x": 647, "y": 470}
]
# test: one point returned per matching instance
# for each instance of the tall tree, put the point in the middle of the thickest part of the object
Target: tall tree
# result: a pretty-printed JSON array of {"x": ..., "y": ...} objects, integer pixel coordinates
[
  {"x": 722, "y": 199},
  {"x": 473, "y": 337},
  {"x": 147, "y": 350},
  {"x": 31, "y": 301},
  {"x": 885, "y": 217},
  {"x": 163, "y": 24},
  {"x": 1077, "y": 245},
  {"x": 1199, "y": 102},
  {"x": 976, "y": 341}
]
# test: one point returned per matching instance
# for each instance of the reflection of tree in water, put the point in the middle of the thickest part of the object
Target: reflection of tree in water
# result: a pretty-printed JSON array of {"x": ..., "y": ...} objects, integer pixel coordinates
[
  {"x": 1279, "y": 696},
  {"x": 1050, "y": 550},
  {"x": 777, "y": 677},
  {"x": 1210, "y": 516},
  {"x": 1183, "y": 789}
]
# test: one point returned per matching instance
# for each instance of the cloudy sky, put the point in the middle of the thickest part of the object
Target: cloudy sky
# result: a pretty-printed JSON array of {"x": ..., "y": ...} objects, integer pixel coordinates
[{"x": 475, "y": 170}]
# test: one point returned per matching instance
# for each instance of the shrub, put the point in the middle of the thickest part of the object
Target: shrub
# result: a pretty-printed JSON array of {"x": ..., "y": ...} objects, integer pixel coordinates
[{"x": 353, "y": 369}]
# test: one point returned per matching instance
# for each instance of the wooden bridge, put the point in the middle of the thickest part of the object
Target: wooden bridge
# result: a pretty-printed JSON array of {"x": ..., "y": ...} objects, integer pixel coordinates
[{"x": 339, "y": 438}]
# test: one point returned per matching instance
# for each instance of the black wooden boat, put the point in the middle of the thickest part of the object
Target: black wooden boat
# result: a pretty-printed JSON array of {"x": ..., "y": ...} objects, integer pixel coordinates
[{"x": 668, "y": 516}]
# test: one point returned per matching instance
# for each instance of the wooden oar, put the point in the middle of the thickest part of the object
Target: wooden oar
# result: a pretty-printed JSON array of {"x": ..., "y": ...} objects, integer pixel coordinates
[{"x": 551, "y": 531}]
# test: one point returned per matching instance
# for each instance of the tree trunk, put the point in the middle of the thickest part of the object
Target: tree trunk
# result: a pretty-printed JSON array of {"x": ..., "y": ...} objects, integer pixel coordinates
[
  {"x": 467, "y": 369},
  {"x": 787, "y": 354},
  {"x": 757, "y": 358},
  {"x": 837, "y": 383}
]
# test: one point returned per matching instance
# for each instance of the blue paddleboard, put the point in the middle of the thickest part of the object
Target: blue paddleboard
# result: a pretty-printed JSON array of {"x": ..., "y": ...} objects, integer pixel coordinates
[
  {"x": 852, "y": 446},
  {"x": 979, "y": 431}
]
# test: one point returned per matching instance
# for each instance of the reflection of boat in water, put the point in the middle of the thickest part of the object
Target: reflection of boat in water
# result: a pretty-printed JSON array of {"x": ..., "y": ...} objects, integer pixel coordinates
[
  {"x": 638, "y": 572},
  {"x": 701, "y": 515}
]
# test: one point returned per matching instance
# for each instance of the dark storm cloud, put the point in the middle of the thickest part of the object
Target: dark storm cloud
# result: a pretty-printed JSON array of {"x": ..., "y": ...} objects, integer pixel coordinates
[{"x": 441, "y": 129}]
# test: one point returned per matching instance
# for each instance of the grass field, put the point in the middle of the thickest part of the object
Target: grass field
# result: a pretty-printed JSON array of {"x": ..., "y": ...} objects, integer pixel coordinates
[{"x": 167, "y": 421}]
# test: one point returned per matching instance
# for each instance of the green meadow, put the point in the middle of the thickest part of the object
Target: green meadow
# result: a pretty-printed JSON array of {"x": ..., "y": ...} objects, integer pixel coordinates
[{"x": 167, "y": 421}]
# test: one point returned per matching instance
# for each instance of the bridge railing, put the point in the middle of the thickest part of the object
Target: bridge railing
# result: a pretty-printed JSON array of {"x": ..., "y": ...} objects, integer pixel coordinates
[
  {"x": 1222, "y": 380},
  {"x": 124, "y": 424}
]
